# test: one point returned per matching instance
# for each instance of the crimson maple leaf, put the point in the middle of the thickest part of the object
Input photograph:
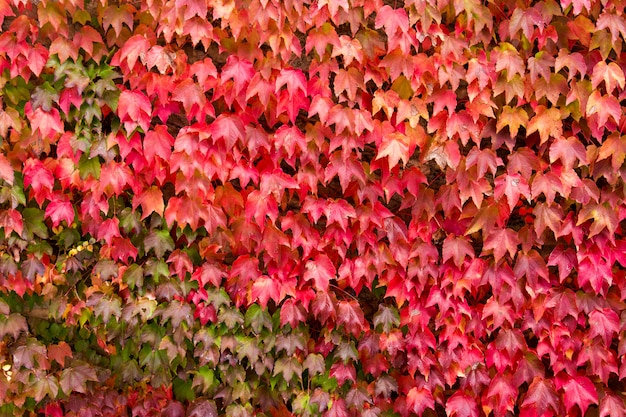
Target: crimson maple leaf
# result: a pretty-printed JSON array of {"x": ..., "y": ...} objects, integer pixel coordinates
[
  {"x": 457, "y": 248},
  {"x": 579, "y": 391},
  {"x": 604, "y": 106},
  {"x": 351, "y": 316},
  {"x": 115, "y": 17},
  {"x": 461, "y": 405},
  {"x": 547, "y": 122},
  {"x": 501, "y": 395},
  {"x": 321, "y": 271},
  {"x": 419, "y": 399},
  {"x": 151, "y": 201},
  {"x": 612, "y": 405},
  {"x": 541, "y": 397},
  {"x": 265, "y": 288}
]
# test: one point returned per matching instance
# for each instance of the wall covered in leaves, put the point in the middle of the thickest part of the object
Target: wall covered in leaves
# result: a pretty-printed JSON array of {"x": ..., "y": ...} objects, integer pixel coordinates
[{"x": 312, "y": 208}]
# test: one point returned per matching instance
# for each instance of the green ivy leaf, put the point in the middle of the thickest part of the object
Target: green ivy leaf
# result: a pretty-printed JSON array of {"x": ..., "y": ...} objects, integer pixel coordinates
[
  {"x": 89, "y": 166},
  {"x": 74, "y": 378},
  {"x": 133, "y": 276},
  {"x": 160, "y": 241},
  {"x": 183, "y": 389},
  {"x": 258, "y": 318},
  {"x": 12, "y": 324},
  {"x": 289, "y": 367}
]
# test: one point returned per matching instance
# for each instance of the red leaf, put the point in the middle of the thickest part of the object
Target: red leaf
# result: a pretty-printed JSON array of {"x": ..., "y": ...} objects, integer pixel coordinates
[
  {"x": 6, "y": 171},
  {"x": 501, "y": 396},
  {"x": 604, "y": 106},
  {"x": 501, "y": 241},
  {"x": 108, "y": 229},
  {"x": 229, "y": 128},
  {"x": 58, "y": 352},
  {"x": 604, "y": 323},
  {"x": 244, "y": 270},
  {"x": 565, "y": 259},
  {"x": 158, "y": 142},
  {"x": 548, "y": 216},
  {"x": 294, "y": 79},
  {"x": 323, "y": 306},
  {"x": 579, "y": 390},
  {"x": 461, "y": 405},
  {"x": 499, "y": 313},
  {"x": 396, "y": 147},
  {"x": 614, "y": 147},
  {"x": 569, "y": 151},
  {"x": 189, "y": 94},
  {"x": 612, "y": 405},
  {"x": 320, "y": 37},
  {"x": 59, "y": 209},
  {"x": 348, "y": 81},
  {"x": 49, "y": 123},
  {"x": 122, "y": 249},
  {"x": 64, "y": 49},
  {"x": 151, "y": 201},
  {"x": 134, "y": 48},
  {"x": 134, "y": 109},
  {"x": 199, "y": 29},
  {"x": 457, "y": 248},
  {"x": 86, "y": 38},
  {"x": 547, "y": 122},
  {"x": 114, "y": 177},
  {"x": 321, "y": 271},
  {"x": 603, "y": 215},
  {"x": 611, "y": 74},
  {"x": 338, "y": 407},
  {"x": 185, "y": 211},
  {"x": 264, "y": 289},
  {"x": 541, "y": 397},
  {"x": 11, "y": 221},
  {"x": 508, "y": 58},
  {"x": 292, "y": 313},
  {"x": 351, "y": 316},
  {"x": 116, "y": 17},
  {"x": 239, "y": 70},
  {"x": 393, "y": 20},
  {"x": 614, "y": 22},
  {"x": 419, "y": 399}
]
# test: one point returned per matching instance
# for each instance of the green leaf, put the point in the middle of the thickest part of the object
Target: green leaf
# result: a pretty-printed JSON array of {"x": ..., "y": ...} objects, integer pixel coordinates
[
  {"x": 183, "y": 390},
  {"x": 231, "y": 317},
  {"x": 387, "y": 318},
  {"x": 257, "y": 318},
  {"x": 205, "y": 379},
  {"x": 89, "y": 166},
  {"x": 105, "y": 306},
  {"x": 34, "y": 224},
  {"x": 74, "y": 379},
  {"x": 402, "y": 86},
  {"x": 17, "y": 195},
  {"x": 325, "y": 382},
  {"x": 289, "y": 367},
  {"x": 157, "y": 268},
  {"x": 44, "y": 385},
  {"x": 12, "y": 324},
  {"x": 133, "y": 276},
  {"x": 152, "y": 359},
  {"x": 160, "y": 241}
]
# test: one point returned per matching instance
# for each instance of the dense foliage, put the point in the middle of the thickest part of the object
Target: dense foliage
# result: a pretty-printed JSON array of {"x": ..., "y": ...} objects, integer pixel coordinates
[{"x": 312, "y": 207}]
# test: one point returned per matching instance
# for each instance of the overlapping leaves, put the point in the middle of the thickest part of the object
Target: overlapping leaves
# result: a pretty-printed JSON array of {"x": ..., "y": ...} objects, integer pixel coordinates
[{"x": 338, "y": 208}]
